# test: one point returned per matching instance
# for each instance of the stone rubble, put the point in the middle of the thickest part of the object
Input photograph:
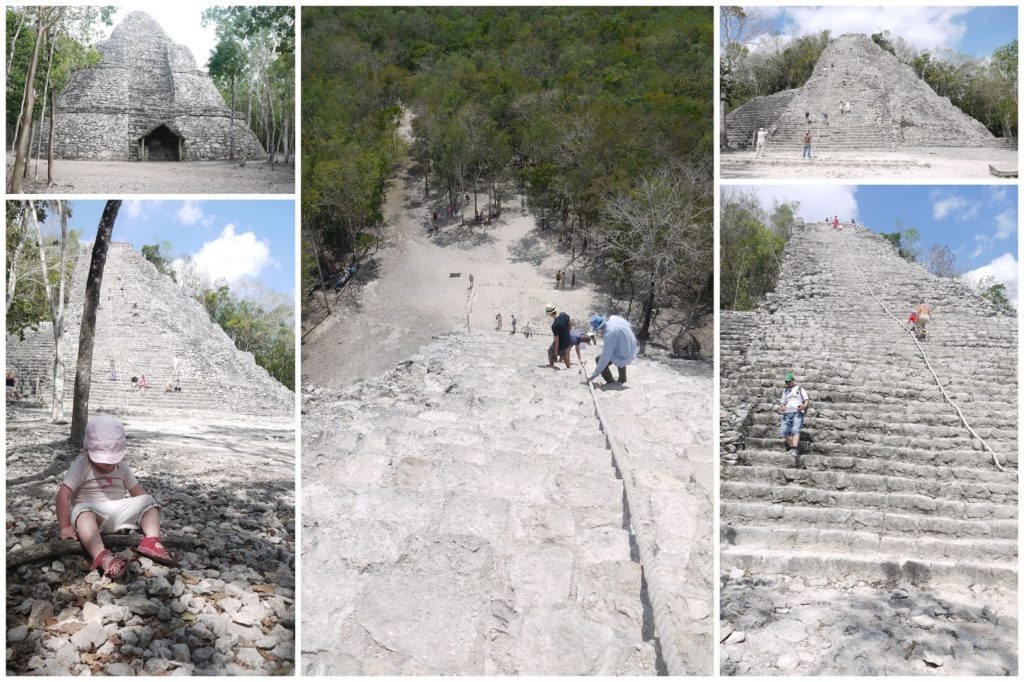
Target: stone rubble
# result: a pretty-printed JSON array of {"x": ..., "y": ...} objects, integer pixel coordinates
[{"x": 231, "y": 596}]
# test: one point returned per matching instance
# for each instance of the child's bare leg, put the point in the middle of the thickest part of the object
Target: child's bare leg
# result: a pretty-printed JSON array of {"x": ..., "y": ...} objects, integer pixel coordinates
[
  {"x": 150, "y": 523},
  {"x": 88, "y": 528}
]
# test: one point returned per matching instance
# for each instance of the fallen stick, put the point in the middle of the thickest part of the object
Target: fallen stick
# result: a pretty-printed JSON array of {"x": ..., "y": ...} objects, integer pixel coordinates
[{"x": 56, "y": 548}]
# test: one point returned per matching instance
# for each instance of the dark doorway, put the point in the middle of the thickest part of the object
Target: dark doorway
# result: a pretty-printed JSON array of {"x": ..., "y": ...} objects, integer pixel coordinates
[{"x": 162, "y": 144}]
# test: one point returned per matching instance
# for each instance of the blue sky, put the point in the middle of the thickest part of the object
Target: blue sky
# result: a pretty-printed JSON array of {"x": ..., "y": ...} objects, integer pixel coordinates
[
  {"x": 975, "y": 31},
  {"x": 977, "y": 222},
  {"x": 228, "y": 240}
]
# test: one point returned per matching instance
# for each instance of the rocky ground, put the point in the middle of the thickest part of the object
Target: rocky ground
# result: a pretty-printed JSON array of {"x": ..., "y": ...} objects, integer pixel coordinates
[
  {"x": 784, "y": 625},
  {"x": 190, "y": 177},
  {"x": 905, "y": 163},
  {"x": 226, "y": 608}
]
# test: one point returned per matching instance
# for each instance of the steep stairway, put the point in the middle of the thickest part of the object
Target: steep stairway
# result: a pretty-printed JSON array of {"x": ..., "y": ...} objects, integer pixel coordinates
[
  {"x": 891, "y": 484},
  {"x": 466, "y": 512},
  {"x": 890, "y": 107},
  {"x": 146, "y": 325}
]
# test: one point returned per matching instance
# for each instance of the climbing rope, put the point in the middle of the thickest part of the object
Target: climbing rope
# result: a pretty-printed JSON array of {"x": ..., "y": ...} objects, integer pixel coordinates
[
  {"x": 645, "y": 543},
  {"x": 924, "y": 356}
]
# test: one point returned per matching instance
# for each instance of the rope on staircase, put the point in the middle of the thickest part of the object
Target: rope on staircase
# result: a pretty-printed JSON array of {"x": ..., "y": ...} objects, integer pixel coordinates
[
  {"x": 924, "y": 356},
  {"x": 645, "y": 543}
]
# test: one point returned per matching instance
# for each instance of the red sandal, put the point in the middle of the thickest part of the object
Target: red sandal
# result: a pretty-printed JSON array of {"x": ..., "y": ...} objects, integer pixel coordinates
[
  {"x": 154, "y": 549},
  {"x": 112, "y": 565}
]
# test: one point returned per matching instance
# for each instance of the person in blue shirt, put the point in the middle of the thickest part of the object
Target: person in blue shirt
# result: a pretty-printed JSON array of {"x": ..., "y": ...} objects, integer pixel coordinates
[{"x": 619, "y": 348}]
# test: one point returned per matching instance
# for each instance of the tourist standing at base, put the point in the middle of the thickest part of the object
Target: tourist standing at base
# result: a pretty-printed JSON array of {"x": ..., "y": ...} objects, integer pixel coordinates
[
  {"x": 620, "y": 347},
  {"x": 762, "y": 136},
  {"x": 561, "y": 330},
  {"x": 807, "y": 146},
  {"x": 513, "y": 320},
  {"x": 793, "y": 407}
]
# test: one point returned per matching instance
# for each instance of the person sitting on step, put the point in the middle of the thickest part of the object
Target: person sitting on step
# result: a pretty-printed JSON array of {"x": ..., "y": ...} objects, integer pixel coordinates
[
  {"x": 142, "y": 382},
  {"x": 793, "y": 407},
  {"x": 620, "y": 347},
  {"x": 100, "y": 494}
]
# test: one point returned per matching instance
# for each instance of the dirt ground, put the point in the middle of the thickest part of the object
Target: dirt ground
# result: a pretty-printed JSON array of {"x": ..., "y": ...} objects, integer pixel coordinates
[
  {"x": 190, "y": 177},
  {"x": 923, "y": 163},
  {"x": 417, "y": 286}
]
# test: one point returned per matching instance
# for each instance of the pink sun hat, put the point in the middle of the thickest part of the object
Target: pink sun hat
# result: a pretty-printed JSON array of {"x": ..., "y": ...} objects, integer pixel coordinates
[{"x": 104, "y": 439}]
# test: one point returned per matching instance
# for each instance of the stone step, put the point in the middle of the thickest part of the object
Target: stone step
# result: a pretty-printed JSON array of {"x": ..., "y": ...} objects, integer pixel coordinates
[
  {"x": 842, "y": 541},
  {"x": 881, "y": 466},
  {"x": 889, "y": 523},
  {"x": 880, "y": 567},
  {"x": 901, "y": 502},
  {"x": 965, "y": 491},
  {"x": 949, "y": 450}
]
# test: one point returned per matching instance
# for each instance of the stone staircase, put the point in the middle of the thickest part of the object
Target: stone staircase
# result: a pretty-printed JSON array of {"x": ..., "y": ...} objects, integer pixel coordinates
[
  {"x": 744, "y": 121},
  {"x": 146, "y": 325},
  {"x": 891, "y": 483},
  {"x": 465, "y": 509},
  {"x": 890, "y": 106}
]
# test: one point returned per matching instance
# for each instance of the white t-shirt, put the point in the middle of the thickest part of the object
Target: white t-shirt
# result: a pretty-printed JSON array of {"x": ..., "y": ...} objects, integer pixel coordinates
[
  {"x": 761, "y": 135},
  {"x": 92, "y": 485},
  {"x": 793, "y": 398}
]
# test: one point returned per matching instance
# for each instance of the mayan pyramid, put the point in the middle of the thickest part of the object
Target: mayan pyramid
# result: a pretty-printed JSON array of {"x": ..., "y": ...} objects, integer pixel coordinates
[
  {"x": 890, "y": 107},
  {"x": 146, "y": 100},
  {"x": 147, "y": 325},
  {"x": 892, "y": 486}
]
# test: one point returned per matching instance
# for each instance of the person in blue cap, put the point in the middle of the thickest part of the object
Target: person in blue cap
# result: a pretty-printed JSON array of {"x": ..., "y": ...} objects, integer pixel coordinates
[
  {"x": 619, "y": 347},
  {"x": 793, "y": 406}
]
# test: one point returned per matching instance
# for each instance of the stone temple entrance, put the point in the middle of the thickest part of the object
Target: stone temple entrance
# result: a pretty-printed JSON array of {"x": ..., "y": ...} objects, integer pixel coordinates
[{"x": 162, "y": 143}]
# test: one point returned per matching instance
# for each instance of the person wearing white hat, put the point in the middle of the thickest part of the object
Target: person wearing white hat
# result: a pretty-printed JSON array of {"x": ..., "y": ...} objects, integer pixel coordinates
[
  {"x": 100, "y": 494},
  {"x": 620, "y": 347}
]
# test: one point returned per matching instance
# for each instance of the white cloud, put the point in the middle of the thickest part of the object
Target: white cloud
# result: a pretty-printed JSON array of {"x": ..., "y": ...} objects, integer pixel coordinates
[
  {"x": 956, "y": 206},
  {"x": 1006, "y": 225},
  {"x": 232, "y": 256},
  {"x": 923, "y": 27},
  {"x": 944, "y": 207},
  {"x": 190, "y": 213},
  {"x": 1003, "y": 269},
  {"x": 138, "y": 208},
  {"x": 816, "y": 201},
  {"x": 997, "y": 194}
]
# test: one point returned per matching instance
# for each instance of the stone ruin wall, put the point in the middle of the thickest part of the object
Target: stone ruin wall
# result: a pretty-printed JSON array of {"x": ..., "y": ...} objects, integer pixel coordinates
[{"x": 144, "y": 80}]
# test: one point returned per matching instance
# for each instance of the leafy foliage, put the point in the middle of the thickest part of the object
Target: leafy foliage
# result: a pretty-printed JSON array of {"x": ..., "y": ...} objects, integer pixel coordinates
[
  {"x": 536, "y": 96},
  {"x": 995, "y": 292},
  {"x": 752, "y": 242},
  {"x": 29, "y": 305}
]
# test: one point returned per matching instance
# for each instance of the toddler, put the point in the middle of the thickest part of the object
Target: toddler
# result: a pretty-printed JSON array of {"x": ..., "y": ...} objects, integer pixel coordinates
[{"x": 92, "y": 499}]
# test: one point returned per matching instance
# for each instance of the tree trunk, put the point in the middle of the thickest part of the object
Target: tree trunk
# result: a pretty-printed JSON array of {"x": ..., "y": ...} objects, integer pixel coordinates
[
  {"x": 12, "y": 274},
  {"x": 645, "y": 325},
  {"x": 56, "y": 308},
  {"x": 22, "y": 139},
  {"x": 49, "y": 147},
  {"x": 14, "y": 41},
  {"x": 86, "y": 335},
  {"x": 231, "y": 125},
  {"x": 42, "y": 109}
]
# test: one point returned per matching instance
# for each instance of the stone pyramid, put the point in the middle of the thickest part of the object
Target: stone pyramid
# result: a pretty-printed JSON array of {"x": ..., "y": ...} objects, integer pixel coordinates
[
  {"x": 890, "y": 107},
  {"x": 146, "y": 325},
  {"x": 146, "y": 100},
  {"x": 893, "y": 486}
]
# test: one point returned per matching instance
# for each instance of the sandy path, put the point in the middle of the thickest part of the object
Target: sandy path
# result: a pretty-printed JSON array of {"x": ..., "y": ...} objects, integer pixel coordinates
[
  {"x": 911, "y": 163},
  {"x": 376, "y": 324},
  {"x": 192, "y": 177}
]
